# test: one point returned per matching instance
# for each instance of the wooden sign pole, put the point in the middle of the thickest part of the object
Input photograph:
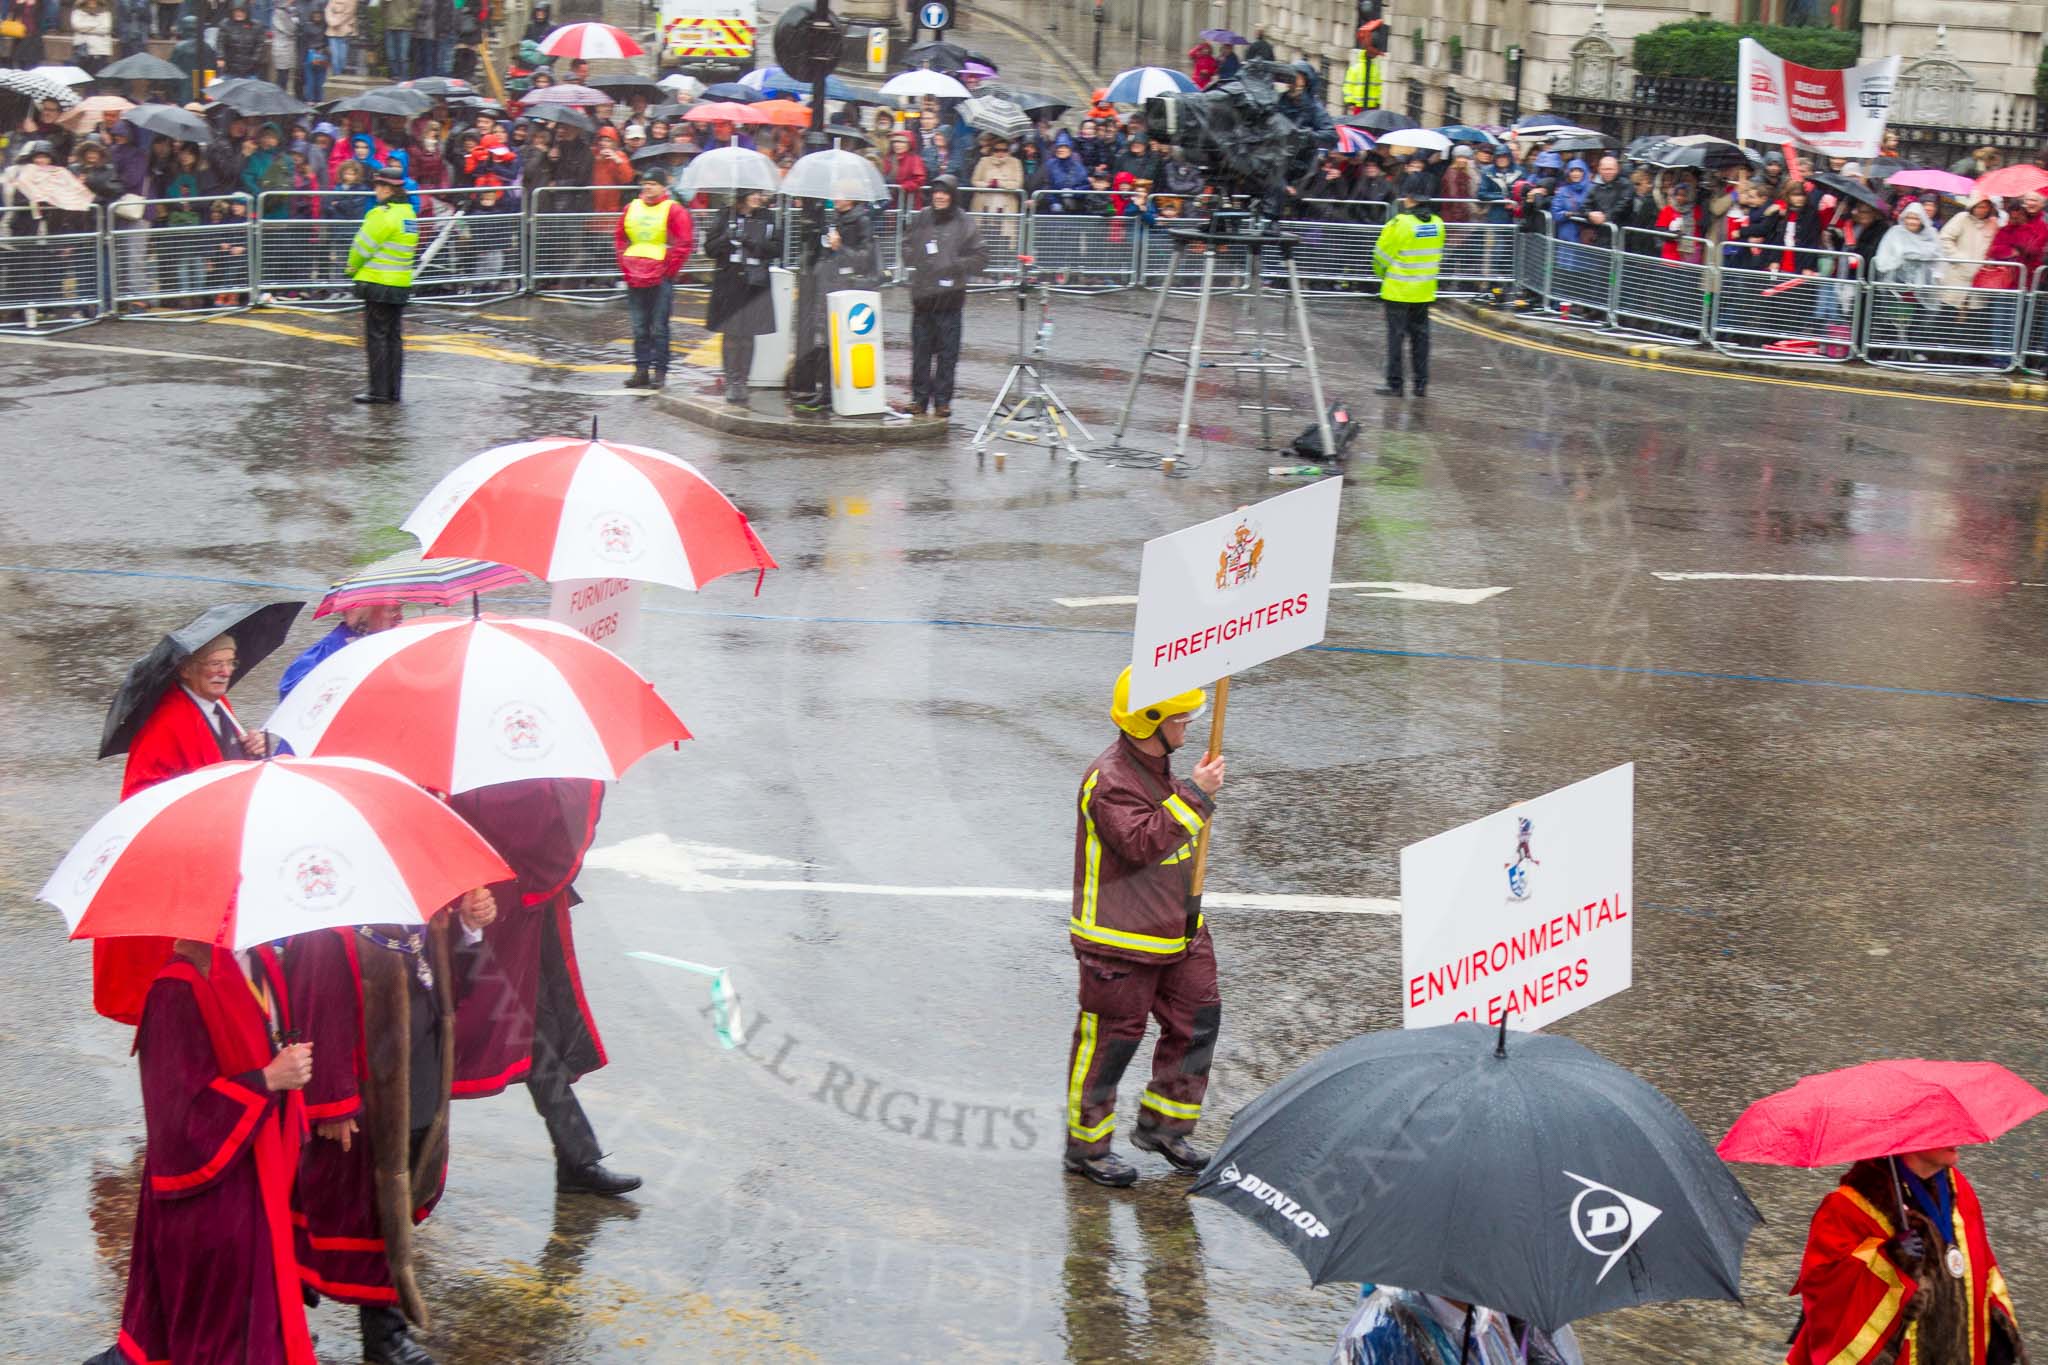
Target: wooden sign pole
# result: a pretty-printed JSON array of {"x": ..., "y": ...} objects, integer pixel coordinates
[{"x": 1202, "y": 839}]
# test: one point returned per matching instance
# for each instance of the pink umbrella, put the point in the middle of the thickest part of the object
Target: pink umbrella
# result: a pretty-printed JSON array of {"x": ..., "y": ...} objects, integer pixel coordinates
[
  {"x": 566, "y": 94},
  {"x": 2013, "y": 181},
  {"x": 1941, "y": 182},
  {"x": 729, "y": 112},
  {"x": 590, "y": 40}
]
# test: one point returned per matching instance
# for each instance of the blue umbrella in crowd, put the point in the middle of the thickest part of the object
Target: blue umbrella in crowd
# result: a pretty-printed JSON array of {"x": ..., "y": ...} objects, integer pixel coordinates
[
  {"x": 1463, "y": 132},
  {"x": 1527, "y": 1174},
  {"x": 1142, "y": 83},
  {"x": 730, "y": 90}
]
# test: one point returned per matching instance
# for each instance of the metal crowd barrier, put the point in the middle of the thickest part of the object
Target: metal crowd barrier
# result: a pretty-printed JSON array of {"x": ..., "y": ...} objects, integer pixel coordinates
[
  {"x": 1002, "y": 234},
  {"x": 51, "y": 280},
  {"x": 1073, "y": 244},
  {"x": 1944, "y": 327},
  {"x": 161, "y": 266},
  {"x": 62, "y": 270},
  {"x": 1662, "y": 285},
  {"x": 1809, "y": 314}
]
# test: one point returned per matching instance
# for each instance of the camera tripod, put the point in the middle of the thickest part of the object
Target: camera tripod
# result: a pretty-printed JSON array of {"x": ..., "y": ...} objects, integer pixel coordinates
[
  {"x": 1228, "y": 230},
  {"x": 1026, "y": 409}
]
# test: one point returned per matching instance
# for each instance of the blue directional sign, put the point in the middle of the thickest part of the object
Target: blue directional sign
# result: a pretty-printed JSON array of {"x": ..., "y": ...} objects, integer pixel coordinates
[
  {"x": 935, "y": 15},
  {"x": 861, "y": 318}
]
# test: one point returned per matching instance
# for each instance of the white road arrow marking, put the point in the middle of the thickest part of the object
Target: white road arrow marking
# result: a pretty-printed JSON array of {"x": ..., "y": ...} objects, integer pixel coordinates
[
  {"x": 1669, "y": 577},
  {"x": 1397, "y": 591},
  {"x": 694, "y": 867}
]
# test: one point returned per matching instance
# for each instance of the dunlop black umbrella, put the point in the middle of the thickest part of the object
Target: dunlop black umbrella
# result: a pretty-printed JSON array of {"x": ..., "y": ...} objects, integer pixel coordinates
[
  {"x": 258, "y": 630},
  {"x": 1525, "y": 1173}
]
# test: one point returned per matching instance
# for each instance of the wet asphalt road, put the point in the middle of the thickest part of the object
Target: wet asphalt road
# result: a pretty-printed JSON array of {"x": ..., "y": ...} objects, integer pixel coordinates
[{"x": 1838, "y": 809}]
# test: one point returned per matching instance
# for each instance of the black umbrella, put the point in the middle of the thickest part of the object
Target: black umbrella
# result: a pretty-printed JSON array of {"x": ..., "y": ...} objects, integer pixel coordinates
[
  {"x": 1700, "y": 151},
  {"x": 566, "y": 115},
  {"x": 670, "y": 110},
  {"x": 439, "y": 86},
  {"x": 1528, "y": 1174},
  {"x": 1375, "y": 121},
  {"x": 625, "y": 87},
  {"x": 387, "y": 99},
  {"x": 1033, "y": 102},
  {"x": 258, "y": 630},
  {"x": 943, "y": 56},
  {"x": 661, "y": 153},
  {"x": 1846, "y": 188},
  {"x": 730, "y": 90},
  {"x": 143, "y": 66},
  {"x": 260, "y": 99},
  {"x": 1882, "y": 168},
  {"x": 168, "y": 120}
]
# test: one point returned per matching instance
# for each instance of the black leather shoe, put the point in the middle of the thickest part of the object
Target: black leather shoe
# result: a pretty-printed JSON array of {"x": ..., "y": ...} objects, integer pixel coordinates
[
  {"x": 594, "y": 1179},
  {"x": 398, "y": 1349},
  {"x": 1108, "y": 1169},
  {"x": 657, "y": 379},
  {"x": 373, "y": 398},
  {"x": 1177, "y": 1150},
  {"x": 1388, "y": 390},
  {"x": 637, "y": 379}
]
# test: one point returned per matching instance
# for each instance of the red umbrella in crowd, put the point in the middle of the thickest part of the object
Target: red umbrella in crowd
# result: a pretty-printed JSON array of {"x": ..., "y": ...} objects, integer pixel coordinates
[
  {"x": 590, "y": 41},
  {"x": 242, "y": 853},
  {"x": 1880, "y": 1109},
  {"x": 727, "y": 111},
  {"x": 2012, "y": 181},
  {"x": 562, "y": 507},
  {"x": 457, "y": 703}
]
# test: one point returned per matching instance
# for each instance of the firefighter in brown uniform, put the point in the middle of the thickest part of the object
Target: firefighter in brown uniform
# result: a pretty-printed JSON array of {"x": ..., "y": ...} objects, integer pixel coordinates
[{"x": 1134, "y": 848}]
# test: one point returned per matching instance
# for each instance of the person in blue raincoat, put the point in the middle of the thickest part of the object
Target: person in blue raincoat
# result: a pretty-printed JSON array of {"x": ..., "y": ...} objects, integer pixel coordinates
[
  {"x": 1404, "y": 1327},
  {"x": 1062, "y": 170},
  {"x": 1568, "y": 204}
]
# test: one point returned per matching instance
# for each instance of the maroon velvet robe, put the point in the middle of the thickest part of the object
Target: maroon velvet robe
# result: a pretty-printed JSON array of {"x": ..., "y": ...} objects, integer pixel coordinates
[
  {"x": 542, "y": 829},
  {"x": 211, "y": 1277},
  {"x": 341, "y": 1247},
  {"x": 176, "y": 739}
]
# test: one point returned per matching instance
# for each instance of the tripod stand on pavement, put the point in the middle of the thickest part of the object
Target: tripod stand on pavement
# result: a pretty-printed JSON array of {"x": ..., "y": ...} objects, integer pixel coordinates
[{"x": 1026, "y": 409}]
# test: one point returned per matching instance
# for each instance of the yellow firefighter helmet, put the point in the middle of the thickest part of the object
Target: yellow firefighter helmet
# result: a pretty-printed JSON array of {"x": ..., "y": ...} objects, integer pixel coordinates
[{"x": 1141, "y": 724}]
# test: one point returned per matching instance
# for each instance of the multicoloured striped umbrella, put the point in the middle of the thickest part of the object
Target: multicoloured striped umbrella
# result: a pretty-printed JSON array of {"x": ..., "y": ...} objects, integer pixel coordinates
[
  {"x": 590, "y": 40},
  {"x": 409, "y": 577},
  {"x": 1353, "y": 140}
]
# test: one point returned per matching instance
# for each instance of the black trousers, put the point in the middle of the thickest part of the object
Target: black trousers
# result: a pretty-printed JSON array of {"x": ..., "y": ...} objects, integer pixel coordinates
[
  {"x": 935, "y": 349},
  {"x": 1409, "y": 320},
  {"x": 555, "y": 1015},
  {"x": 384, "y": 347},
  {"x": 737, "y": 350}
]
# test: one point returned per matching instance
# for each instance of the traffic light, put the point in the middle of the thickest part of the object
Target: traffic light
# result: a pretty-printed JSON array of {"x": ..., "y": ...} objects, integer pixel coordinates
[
  {"x": 1370, "y": 11},
  {"x": 1372, "y": 34}
]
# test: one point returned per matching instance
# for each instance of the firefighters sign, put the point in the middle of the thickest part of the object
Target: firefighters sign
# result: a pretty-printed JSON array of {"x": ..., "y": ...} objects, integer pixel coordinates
[
  {"x": 1215, "y": 599},
  {"x": 1527, "y": 914}
]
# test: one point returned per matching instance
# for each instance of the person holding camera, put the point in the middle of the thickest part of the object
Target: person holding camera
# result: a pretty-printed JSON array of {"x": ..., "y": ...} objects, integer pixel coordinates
[
  {"x": 742, "y": 241},
  {"x": 943, "y": 249}
]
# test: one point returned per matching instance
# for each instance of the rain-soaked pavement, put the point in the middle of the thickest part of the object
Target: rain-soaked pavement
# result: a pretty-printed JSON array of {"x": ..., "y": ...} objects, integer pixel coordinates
[{"x": 1839, "y": 812}]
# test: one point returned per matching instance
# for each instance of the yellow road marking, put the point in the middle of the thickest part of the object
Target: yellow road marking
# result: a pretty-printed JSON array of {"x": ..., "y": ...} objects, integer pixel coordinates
[
  {"x": 1529, "y": 343},
  {"x": 432, "y": 344}
]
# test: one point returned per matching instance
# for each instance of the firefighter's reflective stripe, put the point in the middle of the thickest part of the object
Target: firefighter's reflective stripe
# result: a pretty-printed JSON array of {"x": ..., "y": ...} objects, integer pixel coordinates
[
  {"x": 1183, "y": 812},
  {"x": 1085, "y": 926},
  {"x": 646, "y": 228},
  {"x": 1084, "y": 1058},
  {"x": 1173, "y": 1109}
]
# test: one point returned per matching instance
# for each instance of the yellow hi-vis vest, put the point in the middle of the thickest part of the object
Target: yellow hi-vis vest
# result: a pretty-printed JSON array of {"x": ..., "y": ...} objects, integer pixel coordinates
[
  {"x": 1406, "y": 258},
  {"x": 647, "y": 229},
  {"x": 1356, "y": 78},
  {"x": 383, "y": 249}
]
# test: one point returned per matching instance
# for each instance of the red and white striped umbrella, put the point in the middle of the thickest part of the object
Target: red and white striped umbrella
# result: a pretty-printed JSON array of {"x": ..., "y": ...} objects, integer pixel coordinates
[
  {"x": 563, "y": 507},
  {"x": 242, "y": 853},
  {"x": 590, "y": 41},
  {"x": 456, "y": 703}
]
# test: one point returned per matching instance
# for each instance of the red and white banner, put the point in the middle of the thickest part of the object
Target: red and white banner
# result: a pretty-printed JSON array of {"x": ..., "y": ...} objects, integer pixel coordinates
[{"x": 1837, "y": 113}]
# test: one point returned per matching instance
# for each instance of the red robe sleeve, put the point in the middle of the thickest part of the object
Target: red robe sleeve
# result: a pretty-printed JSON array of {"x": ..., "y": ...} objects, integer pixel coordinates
[
  {"x": 327, "y": 1007},
  {"x": 1853, "y": 1295},
  {"x": 199, "y": 1122},
  {"x": 173, "y": 741}
]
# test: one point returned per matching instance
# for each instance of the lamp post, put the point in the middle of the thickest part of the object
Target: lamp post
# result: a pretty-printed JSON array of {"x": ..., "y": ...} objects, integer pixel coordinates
[
  {"x": 1514, "y": 109},
  {"x": 1096, "y": 64}
]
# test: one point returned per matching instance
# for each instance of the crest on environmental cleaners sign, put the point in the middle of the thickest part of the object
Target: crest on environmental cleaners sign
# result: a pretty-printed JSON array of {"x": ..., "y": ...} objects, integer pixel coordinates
[
  {"x": 1518, "y": 870},
  {"x": 1607, "y": 1222},
  {"x": 1239, "y": 562}
]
